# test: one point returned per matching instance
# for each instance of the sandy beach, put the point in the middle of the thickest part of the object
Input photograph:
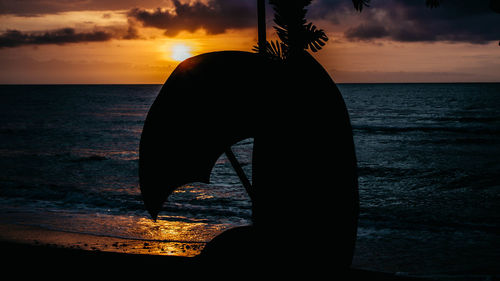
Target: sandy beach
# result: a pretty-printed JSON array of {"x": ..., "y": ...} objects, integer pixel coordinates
[
  {"x": 34, "y": 251},
  {"x": 37, "y": 236}
]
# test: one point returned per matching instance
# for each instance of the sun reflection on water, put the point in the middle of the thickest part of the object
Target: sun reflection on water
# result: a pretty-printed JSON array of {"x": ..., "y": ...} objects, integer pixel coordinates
[
  {"x": 172, "y": 236},
  {"x": 132, "y": 234}
]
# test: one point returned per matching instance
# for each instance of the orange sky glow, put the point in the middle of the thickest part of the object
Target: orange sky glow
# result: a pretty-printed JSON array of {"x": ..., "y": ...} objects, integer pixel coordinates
[{"x": 148, "y": 57}]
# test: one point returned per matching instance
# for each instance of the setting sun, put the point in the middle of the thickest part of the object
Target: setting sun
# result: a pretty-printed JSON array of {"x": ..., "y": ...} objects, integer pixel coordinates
[{"x": 181, "y": 52}]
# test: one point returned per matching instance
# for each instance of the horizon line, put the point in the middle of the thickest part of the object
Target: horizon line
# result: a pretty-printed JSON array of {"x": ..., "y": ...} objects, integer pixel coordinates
[{"x": 151, "y": 84}]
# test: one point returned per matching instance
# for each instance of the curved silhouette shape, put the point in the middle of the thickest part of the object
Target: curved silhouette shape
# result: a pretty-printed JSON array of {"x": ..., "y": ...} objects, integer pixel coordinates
[
  {"x": 208, "y": 103},
  {"x": 304, "y": 165}
]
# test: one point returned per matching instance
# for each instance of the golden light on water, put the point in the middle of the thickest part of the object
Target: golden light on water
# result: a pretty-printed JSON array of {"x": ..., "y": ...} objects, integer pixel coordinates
[
  {"x": 180, "y": 52},
  {"x": 171, "y": 236}
]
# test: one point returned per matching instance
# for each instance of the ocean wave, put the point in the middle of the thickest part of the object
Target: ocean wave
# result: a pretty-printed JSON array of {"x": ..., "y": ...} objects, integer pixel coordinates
[
  {"x": 426, "y": 129},
  {"x": 474, "y": 119},
  {"x": 94, "y": 156},
  {"x": 437, "y": 179},
  {"x": 206, "y": 215},
  {"x": 8, "y": 131},
  {"x": 390, "y": 172},
  {"x": 118, "y": 201},
  {"x": 370, "y": 222},
  {"x": 90, "y": 158},
  {"x": 459, "y": 141},
  {"x": 59, "y": 196}
]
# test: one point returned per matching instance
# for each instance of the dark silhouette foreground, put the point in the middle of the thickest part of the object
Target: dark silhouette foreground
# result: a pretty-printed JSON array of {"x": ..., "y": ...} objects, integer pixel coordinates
[
  {"x": 304, "y": 186},
  {"x": 23, "y": 260},
  {"x": 304, "y": 183}
]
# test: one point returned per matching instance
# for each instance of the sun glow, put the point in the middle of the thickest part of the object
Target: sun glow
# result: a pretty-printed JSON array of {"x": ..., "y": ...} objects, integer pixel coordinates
[{"x": 180, "y": 52}]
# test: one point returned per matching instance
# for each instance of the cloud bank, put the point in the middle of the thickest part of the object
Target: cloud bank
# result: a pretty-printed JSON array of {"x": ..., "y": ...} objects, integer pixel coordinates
[
  {"x": 215, "y": 17},
  {"x": 16, "y": 38},
  {"x": 403, "y": 21},
  {"x": 39, "y": 8},
  {"x": 410, "y": 21}
]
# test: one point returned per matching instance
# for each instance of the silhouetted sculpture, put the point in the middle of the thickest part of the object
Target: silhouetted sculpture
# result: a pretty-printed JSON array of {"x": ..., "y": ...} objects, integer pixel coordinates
[
  {"x": 304, "y": 192},
  {"x": 304, "y": 176}
]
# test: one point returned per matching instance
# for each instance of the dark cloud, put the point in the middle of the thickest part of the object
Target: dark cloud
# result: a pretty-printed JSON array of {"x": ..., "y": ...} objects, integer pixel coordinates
[
  {"x": 367, "y": 31},
  {"x": 215, "y": 17},
  {"x": 404, "y": 21},
  {"x": 38, "y": 8},
  {"x": 410, "y": 21},
  {"x": 132, "y": 33},
  {"x": 15, "y": 38}
]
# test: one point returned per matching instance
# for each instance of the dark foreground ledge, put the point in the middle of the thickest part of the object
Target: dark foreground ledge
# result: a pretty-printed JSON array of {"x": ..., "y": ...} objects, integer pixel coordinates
[{"x": 42, "y": 260}]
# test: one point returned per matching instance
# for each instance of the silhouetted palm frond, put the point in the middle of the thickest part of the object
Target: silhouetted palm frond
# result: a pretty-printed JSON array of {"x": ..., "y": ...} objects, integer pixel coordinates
[
  {"x": 277, "y": 49},
  {"x": 359, "y": 4},
  {"x": 290, "y": 19},
  {"x": 295, "y": 34},
  {"x": 432, "y": 3},
  {"x": 274, "y": 50},
  {"x": 314, "y": 38}
]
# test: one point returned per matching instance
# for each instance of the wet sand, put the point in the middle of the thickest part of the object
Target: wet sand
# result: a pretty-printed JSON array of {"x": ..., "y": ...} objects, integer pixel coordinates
[
  {"x": 37, "y": 236},
  {"x": 37, "y": 252}
]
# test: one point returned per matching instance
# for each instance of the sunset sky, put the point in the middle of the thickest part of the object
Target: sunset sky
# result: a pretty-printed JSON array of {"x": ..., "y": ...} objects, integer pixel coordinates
[{"x": 132, "y": 41}]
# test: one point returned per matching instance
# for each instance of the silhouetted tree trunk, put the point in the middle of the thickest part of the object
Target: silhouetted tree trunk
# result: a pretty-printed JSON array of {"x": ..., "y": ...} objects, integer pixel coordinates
[{"x": 261, "y": 14}]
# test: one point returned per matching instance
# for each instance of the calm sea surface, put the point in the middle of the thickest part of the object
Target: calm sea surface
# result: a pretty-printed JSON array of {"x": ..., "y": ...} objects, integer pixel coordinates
[{"x": 428, "y": 157}]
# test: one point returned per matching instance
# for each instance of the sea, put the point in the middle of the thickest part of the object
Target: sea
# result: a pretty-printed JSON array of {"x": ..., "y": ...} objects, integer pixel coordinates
[{"x": 428, "y": 165}]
